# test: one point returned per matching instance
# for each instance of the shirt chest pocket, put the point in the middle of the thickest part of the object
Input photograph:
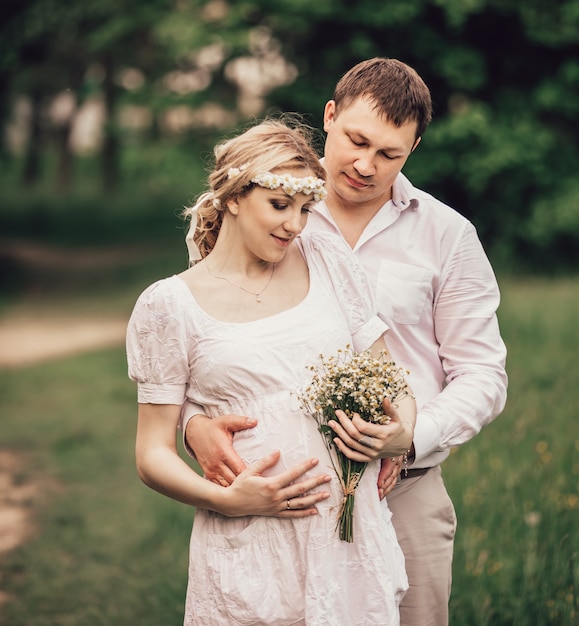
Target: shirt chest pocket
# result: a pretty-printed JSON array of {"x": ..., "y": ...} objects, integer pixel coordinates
[{"x": 403, "y": 291}]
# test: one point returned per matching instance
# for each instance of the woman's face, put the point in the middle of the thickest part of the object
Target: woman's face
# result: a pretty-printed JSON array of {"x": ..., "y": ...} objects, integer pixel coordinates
[{"x": 268, "y": 220}]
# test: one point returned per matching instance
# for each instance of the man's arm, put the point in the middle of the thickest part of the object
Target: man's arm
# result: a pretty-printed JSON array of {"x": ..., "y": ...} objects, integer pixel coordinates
[{"x": 471, "y": 350}]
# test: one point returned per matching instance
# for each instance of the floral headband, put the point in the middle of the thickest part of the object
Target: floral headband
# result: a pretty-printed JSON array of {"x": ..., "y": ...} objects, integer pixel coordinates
[{"x": 290, "y": 184}]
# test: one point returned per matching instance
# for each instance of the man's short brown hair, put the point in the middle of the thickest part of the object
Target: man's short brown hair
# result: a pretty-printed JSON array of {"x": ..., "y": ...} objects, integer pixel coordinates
[{"x": 395, "y": 90}]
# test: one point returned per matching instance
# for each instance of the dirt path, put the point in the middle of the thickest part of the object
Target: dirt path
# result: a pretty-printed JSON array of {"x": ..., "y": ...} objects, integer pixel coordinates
[
  {"x": 28, "y": 340},
  {"x": 15, "y": 519}
]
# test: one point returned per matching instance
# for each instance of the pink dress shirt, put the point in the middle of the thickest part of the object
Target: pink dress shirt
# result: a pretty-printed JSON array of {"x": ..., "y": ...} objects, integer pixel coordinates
[{"x": 435, "y": 288}]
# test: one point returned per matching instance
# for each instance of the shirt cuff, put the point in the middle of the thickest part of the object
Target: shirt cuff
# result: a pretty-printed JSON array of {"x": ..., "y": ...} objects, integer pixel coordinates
[
  {"x": 426, "y": 438},
  {"x": 370, "y": 332}
]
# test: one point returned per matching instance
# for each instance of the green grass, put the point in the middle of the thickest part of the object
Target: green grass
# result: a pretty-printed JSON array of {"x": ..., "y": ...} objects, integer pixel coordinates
[
  {"x": 108, "y": 551},
  {"x": 516, "y": 486}
]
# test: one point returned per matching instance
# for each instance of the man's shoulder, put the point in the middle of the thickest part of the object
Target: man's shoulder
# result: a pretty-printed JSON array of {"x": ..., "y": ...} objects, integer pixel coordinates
[{"x": 425, "y": 206}]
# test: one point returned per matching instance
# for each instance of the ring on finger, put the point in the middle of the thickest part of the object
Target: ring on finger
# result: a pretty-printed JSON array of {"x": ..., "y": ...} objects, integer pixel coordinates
[
  {"x": 365, "y": 441},
  {"x": 288, "y": 507}
]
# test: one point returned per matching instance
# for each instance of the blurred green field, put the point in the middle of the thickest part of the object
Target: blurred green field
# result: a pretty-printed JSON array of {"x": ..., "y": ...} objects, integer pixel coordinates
[
  {"x": 516, "y": 486},
  {"x": 107, "y": 551}
]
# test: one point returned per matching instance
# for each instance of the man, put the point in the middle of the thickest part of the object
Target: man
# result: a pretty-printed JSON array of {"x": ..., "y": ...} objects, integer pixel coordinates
[{"x": 433, "y": 285}]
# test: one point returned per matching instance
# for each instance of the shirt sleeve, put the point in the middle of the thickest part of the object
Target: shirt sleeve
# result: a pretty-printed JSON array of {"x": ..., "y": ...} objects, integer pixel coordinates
[
  {"x": 351, "y": 287},
  {"x": 471, "y": 350},
  {"x": 156, "y": 346}
]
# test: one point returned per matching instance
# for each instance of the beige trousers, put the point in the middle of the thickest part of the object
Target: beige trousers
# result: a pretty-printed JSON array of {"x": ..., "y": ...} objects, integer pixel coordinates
[{"x": 425, "y": 523}]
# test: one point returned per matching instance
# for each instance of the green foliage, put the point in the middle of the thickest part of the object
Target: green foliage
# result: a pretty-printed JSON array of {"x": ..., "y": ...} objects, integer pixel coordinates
[
  {"x": 503, "y": 147},
  {"x": 157, "y": 184},
  {"x": 551, "y": 25}
]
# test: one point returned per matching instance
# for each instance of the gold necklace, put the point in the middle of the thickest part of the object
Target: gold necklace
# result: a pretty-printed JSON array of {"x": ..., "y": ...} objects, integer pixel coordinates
[{"x": 252, "y": 293}]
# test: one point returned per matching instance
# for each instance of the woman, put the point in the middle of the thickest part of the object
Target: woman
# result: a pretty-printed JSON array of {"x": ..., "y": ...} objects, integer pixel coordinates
[{"x": 234, "y": 334}]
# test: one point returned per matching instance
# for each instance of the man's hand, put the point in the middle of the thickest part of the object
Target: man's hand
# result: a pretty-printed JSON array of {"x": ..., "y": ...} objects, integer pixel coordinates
[
  {"x": 211, "y": 439},
  {"x": 388, "y": 476}
]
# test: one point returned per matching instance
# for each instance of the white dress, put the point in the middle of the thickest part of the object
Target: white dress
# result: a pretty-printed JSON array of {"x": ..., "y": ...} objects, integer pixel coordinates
[{"x": 263, "y": 570}]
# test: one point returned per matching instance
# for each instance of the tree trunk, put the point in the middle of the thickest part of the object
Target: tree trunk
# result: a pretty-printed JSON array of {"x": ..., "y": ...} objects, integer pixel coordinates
[
  {"x": 65, "y": 159},
  {"x": 110, "y": 150},
  {"x": 32, "y": 157}
]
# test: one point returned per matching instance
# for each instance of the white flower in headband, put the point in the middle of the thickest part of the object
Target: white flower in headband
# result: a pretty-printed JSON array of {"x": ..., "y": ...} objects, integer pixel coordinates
[
  {"x": 236, "y": 171},
  {"x": 292, "y": 184}
]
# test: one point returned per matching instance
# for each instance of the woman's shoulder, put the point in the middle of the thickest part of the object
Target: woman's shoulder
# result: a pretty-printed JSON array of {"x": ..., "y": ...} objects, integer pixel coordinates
[
  {"x": 328, "y": 254},
  {"x": 325, "y": 243},
  {"x": 164, "y": 294}
]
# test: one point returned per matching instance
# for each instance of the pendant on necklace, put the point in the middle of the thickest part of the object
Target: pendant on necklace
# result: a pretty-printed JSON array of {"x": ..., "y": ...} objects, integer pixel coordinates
[{"x": 257, "y": 295}]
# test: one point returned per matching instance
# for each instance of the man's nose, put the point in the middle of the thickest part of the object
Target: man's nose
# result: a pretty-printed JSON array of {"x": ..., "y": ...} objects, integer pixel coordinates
[{"x": 364, "y": 165}]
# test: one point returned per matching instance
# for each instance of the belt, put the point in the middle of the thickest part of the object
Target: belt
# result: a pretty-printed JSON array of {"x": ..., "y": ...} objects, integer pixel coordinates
[{"x": 413, "y": 472}]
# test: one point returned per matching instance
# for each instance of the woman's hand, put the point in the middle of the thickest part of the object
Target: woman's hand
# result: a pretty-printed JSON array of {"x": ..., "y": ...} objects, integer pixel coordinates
[
  {"x": 362, "y": 441},
  {"x": 285, "y": 495}
]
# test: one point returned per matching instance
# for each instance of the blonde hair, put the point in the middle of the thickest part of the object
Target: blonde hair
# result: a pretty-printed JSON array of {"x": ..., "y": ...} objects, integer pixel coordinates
[{"x": 268, "y": 146}]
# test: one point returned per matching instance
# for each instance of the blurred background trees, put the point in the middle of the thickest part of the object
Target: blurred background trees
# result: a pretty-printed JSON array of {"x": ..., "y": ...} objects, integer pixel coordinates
[{"x": 116, "y": 104}]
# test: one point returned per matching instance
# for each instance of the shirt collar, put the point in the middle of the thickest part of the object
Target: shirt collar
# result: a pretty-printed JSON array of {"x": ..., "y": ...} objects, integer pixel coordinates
[{"x": 404, "y": 194}]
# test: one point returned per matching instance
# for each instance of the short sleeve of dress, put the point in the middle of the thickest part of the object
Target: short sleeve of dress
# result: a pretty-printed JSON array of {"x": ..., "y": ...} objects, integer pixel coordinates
[
  {"x": 156, "y": 345},
  {"x": 335, "y": 260}
]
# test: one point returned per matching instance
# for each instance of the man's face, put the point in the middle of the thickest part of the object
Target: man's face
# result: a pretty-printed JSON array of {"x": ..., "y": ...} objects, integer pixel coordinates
[{"x": 363, "y": 155}]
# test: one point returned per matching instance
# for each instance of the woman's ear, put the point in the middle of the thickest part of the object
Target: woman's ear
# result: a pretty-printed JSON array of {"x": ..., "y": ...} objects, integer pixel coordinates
[{"x": 233, "y": 206}]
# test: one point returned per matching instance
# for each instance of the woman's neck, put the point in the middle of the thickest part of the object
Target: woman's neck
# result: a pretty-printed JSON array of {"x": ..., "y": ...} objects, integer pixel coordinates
[
  {"x": 232, "y": 258},
  {"x": 234, "y": 262}
]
